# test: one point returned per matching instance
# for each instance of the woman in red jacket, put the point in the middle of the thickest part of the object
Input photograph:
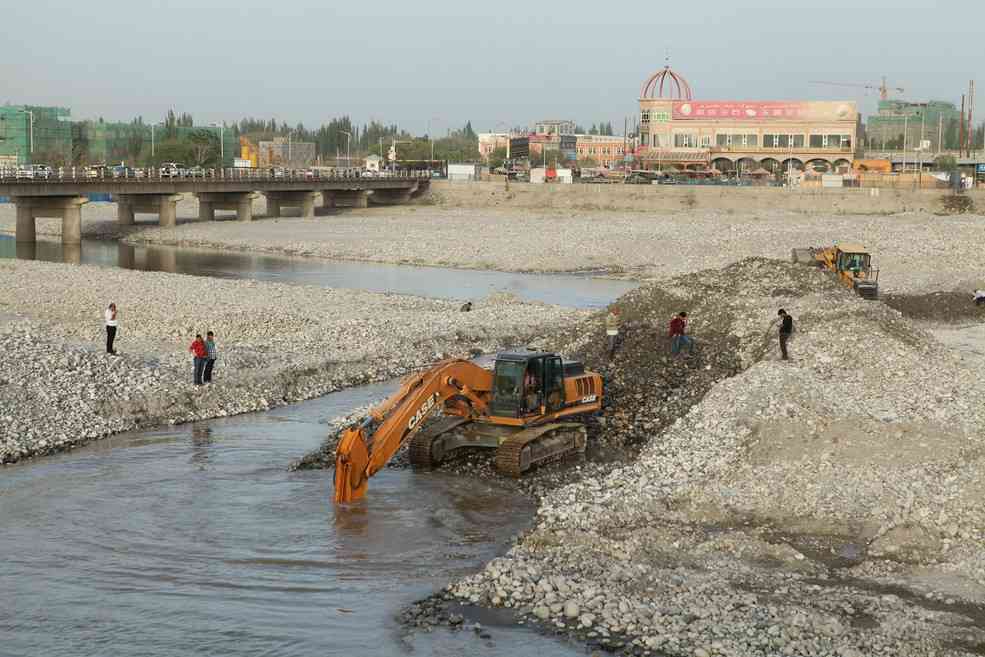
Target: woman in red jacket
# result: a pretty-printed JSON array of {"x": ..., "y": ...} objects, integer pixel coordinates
[{"x": 201, "y": 356}]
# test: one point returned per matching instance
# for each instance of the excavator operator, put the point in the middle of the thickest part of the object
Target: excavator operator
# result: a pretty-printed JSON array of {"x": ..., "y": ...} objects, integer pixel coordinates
[{"x": 531, "y": 390}]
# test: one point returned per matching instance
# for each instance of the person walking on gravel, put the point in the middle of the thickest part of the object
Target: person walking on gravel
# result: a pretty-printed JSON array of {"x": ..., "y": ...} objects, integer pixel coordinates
[
  {"x": 111, "y": 324},
  {"x": 211, "y": 354},
  {"x": 786, "y": 329},
  {"x": 612, "y": 323},
  {"x": 678, "y": 334},
  {"x": 200, "y": 354}
]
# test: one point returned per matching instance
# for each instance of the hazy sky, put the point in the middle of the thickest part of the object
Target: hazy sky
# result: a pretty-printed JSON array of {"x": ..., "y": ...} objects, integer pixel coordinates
[{"x": 409, "y": 61}]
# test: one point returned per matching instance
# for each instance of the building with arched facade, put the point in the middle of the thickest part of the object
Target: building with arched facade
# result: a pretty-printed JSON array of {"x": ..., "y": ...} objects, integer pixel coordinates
[{"x": 732, "y": 135}]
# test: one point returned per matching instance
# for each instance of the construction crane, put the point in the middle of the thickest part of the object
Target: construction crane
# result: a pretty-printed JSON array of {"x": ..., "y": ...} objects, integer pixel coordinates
[{"x": 882, "y": 88}]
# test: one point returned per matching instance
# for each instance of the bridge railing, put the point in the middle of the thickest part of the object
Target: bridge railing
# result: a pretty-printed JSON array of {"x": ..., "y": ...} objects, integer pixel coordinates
[{"x": 98, "y": 174}]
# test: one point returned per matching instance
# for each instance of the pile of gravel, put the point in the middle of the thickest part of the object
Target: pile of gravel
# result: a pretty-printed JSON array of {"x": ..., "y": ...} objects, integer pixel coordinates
[
  {"x": 826, "y": 506},
  {"x": 277, "y": 344}
]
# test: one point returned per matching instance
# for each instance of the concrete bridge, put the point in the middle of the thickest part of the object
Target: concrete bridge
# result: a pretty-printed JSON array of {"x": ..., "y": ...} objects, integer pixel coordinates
[{"x": 62, "y": 196}]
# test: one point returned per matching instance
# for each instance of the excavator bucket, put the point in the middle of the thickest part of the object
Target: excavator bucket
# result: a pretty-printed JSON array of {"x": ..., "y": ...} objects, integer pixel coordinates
[{"x": 351, "y": 459}]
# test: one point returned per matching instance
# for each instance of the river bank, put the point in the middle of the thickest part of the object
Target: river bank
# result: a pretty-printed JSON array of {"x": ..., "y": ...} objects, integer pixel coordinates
[
  {"x": 277, "y": 343},
  {"x": 916, "y": 252},
  {"x": 825, "y": 506}
]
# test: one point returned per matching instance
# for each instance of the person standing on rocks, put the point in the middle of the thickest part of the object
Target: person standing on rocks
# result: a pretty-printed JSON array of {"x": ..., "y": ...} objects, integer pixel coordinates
[
  {"x": 678, "y": 334},
  {"x": 201, "y": 354},
  {"x": 110, "y": 328},
  {"x": 612, "y": 322},
  {"x": 786, "y": 329},
  {"x": 211, "y": 354}
]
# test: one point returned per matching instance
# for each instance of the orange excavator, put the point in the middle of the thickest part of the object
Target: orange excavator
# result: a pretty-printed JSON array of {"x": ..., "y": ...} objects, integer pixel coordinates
[{"x": 517, "y": 408}]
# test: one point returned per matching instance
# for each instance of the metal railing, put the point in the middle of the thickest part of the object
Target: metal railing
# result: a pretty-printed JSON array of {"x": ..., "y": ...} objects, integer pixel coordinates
[{"x": 82, "y": 175}]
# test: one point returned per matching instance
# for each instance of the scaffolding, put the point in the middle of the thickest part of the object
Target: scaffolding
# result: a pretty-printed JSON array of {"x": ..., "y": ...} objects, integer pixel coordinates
[{"x": 31, "y": 134}]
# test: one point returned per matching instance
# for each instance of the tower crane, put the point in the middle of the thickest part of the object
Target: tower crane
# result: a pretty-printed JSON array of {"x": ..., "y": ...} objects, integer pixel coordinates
[{"x": 883, "y": 89}]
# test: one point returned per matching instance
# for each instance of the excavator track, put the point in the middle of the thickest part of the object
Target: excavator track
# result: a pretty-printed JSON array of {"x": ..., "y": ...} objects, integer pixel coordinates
[
  {"x": 422, "y": 446},
  {"x": 529, "y": 447}
]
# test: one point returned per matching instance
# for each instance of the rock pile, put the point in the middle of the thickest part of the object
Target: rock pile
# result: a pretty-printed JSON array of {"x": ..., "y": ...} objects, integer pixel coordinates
[
  {"x": 826, "y": 506},
  {"x": 277, "y": 343}
]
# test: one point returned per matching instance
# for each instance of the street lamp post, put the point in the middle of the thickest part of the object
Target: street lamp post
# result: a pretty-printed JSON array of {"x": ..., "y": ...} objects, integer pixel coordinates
[
  {"x": 348, "y": 137},
  {"x": 222, "y": 145}
]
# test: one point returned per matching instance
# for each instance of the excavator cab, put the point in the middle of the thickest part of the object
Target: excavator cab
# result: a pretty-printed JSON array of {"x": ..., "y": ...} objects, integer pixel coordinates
[{"x": 527, "y": 383}]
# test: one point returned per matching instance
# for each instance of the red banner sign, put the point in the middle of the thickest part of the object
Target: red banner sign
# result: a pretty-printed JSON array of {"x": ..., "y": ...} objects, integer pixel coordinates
[{"x": 739, "y": 111}]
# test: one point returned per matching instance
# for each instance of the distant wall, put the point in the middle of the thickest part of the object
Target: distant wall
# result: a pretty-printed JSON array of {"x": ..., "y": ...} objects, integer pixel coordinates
[{"x": 668, "y": 198}]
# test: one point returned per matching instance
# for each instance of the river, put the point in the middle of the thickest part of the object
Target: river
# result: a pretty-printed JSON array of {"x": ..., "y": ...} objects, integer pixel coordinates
[
  {"x": 198, "y": 540},
  {"x": 577, "y": 290}
]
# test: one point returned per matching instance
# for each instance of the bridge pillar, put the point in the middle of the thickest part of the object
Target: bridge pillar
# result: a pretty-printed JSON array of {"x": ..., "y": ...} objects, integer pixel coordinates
[
  {"x": 26, "y": 229},
  {"x": 66, "y": 208},
  {"x": 163, "y": 205},
  {"x": 305, "y": 201},
  {"x": 350, "y": 198},
  {"x": 328, "y": 200},
  {"x": 240, "y": 202},
  {"x": 244, "y": 207},
  {"x": 206, "y": 210},
  {"x": 124, "y": 213}
]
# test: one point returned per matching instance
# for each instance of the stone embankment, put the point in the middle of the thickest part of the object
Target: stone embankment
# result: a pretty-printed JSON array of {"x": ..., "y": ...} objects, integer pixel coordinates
[
  {"x": 277, "y": 343},
  {"x": 829, "y": 505}
]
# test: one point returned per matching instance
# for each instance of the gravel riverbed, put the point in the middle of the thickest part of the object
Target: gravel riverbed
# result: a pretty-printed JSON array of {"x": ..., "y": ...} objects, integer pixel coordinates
[
  {"x": 277, "y": 344},
  {"x": 829, "y": 505},
  {"x": 917, "y": 252}
]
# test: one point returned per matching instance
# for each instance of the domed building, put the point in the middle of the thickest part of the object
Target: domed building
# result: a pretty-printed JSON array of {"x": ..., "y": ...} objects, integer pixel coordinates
[{"x": 732, "y": 136}]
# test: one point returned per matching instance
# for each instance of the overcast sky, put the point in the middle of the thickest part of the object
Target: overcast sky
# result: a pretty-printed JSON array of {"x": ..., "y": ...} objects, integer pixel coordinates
[{"x": 408, "y": 61}]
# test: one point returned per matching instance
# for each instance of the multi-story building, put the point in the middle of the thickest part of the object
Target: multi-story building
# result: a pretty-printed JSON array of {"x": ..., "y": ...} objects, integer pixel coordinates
[
  {"x": 286, "y": 152},
  {"x": 35, "y": 135},
  {"x": 554, "y": 127},
  {"x": 490, "y": 141},
  {"x": 900, "y": 124},
  {"x": 678, "y": 131},
  {"x": 607, "y": 151}
]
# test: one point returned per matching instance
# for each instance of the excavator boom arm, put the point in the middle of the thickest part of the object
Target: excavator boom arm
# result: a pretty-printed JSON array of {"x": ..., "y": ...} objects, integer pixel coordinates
[{"x": 366, "y": 447}]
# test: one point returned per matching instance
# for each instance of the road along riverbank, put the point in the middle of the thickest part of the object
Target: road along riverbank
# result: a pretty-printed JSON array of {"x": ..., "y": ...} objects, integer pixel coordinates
[
  {"x": 828, "y": 505},
  {"x": 277, "y": 344}
]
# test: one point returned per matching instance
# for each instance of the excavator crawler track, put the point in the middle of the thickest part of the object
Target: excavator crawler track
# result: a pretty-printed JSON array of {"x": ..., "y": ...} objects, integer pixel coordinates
[
  {"x": 529, "y": 447},
  {"x": 422, "y": 445}
]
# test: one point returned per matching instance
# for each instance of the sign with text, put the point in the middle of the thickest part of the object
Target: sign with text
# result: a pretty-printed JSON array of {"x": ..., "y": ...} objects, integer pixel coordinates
[{"x": 740, "y": 111}]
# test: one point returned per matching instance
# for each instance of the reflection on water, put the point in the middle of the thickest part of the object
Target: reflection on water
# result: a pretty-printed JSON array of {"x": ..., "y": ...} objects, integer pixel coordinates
[
  {"x": 436, "y": 282},
  {"x": 197, "y": 540}
]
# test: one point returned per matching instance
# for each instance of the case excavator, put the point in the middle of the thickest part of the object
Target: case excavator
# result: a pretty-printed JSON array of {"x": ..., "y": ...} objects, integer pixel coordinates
[{"x": 522, "y": 408}]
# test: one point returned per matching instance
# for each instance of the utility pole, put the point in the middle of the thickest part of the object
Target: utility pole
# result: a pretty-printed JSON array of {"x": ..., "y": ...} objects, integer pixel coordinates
[{"x": 961, "y": 129}]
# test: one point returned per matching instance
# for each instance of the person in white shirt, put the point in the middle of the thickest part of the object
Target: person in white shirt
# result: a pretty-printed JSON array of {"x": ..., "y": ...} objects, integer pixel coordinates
[
  {"x": 979, "y": 297},
  {"x": 110, "y": 328}
]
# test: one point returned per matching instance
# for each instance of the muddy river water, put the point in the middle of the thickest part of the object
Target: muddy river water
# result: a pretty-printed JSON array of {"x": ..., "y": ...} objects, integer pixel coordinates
[{"x": 198, "y": 540}]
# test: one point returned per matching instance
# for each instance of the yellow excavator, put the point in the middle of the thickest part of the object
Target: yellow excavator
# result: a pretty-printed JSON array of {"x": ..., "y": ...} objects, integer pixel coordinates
[
  {"x": 851, "y": 263},
  {"x": 518, "y": 408}
]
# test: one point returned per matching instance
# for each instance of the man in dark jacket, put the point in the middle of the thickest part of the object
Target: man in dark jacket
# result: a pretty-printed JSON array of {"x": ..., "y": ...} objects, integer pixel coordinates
[{"x": 786, "y": 328}]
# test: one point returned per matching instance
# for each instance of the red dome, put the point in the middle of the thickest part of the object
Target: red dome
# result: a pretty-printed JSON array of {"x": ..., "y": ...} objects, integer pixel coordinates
[{"x": 676, "y": 86}]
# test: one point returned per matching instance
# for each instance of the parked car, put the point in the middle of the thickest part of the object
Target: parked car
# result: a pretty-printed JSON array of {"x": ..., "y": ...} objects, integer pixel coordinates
[
  {"x": 42, "y": 172},
  {"x": 24, "y": 173},
  {"x": 195, "y": 172},
  {"x": 277, "y": 172},
  {"x": 171, "y": 169}
]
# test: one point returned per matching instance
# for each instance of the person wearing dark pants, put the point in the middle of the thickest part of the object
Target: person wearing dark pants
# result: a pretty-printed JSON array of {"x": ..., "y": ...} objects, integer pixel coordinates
[
  {"x": 786, "y": 328},
  {"x": 110, "y": 328},
  {"x": 211, "y": 354},
  {"x": 200, "y": 356}
]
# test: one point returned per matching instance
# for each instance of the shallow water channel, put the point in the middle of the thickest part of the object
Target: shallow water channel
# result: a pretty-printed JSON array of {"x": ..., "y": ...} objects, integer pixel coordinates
[
  {"x": 197, "y": 540},
  {"x": 578, "y": 290}
]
